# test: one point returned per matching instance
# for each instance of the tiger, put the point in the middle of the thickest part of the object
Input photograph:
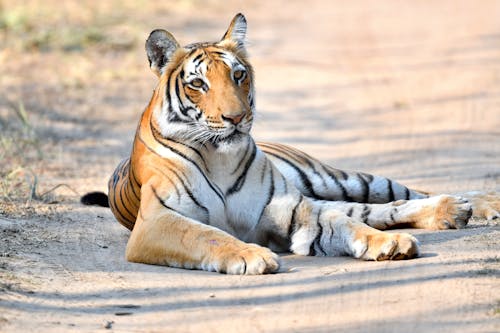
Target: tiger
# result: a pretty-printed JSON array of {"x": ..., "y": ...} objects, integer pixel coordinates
[{"x": 197, "y": 192}]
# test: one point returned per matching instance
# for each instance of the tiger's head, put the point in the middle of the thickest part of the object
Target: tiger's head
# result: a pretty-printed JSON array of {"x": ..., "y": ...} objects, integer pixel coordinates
[{"x": 205, "y": 92}]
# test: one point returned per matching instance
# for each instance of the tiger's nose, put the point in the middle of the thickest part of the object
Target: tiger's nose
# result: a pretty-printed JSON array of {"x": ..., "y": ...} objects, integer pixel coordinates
[{"x": 234, "y": 118}]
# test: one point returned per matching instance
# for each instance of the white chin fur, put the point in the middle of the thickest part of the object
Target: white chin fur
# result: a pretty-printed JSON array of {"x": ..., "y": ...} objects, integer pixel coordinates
[{"x": 228, "y": 146}]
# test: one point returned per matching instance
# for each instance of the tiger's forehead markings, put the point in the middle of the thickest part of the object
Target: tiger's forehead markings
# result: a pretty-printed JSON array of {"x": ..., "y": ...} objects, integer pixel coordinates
[
  {"x": 211, "y": 52},
  {"x": 229, "y": 59},
  {"x": 196, "y": 66}
]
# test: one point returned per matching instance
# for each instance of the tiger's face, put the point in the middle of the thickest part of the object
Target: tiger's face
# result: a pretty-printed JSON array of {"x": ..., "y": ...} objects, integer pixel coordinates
[{"x": 207, "y": 94}]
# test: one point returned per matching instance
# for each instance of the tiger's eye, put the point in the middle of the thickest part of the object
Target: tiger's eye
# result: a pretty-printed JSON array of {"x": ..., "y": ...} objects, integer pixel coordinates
[
  {"x": 238, "y": 74},
  {"x": 197, "y": 83}
]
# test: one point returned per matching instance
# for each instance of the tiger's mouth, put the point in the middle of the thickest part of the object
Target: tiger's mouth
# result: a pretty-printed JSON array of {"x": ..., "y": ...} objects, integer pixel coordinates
[
  {"x": 237, "y": 135},
  {"x": 234, "y": 137}
]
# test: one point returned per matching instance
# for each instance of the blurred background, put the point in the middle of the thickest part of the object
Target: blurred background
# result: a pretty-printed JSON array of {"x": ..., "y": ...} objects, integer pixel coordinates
[{"x": 408, "y": 90}]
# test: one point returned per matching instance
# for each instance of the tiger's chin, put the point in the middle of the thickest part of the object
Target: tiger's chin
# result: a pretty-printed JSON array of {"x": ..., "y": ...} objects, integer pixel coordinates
[{"x": 231, "y": 142}]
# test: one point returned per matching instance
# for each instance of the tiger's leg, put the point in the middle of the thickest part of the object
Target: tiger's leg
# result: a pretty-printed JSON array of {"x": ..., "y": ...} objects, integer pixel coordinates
[
  {"x": 438, "y": 212},
  {"x": 348, "y": 236},
  {"x": 318, "y": 180},
  {"x": 162, "y": 236},
  {"x": 317, "y": 228}
]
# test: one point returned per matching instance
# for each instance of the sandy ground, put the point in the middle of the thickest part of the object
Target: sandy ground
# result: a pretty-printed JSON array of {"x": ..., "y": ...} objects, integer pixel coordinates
[{"x": 409, "y": 90}]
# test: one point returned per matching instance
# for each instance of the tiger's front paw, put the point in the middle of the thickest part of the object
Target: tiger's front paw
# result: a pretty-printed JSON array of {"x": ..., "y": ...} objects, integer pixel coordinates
[
  {"x": 385, "y": 246},
  {"x": 249, "y": 259}
]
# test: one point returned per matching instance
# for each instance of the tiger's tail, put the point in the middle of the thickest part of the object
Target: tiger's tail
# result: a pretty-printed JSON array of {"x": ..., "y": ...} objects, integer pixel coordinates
[{"x": 95, "y": 198}]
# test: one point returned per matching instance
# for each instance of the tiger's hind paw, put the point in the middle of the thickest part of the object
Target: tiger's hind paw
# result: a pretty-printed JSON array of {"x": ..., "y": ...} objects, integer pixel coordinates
[
  {"x": 452, "y": 212},
  {"x": 443, "y": 212},
  {"x": 484, "y": 205}
]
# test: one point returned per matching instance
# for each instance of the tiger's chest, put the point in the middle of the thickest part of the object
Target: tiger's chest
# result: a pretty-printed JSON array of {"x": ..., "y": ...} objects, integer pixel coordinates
[
  {"x": 229, "y": 190},
  {"x": 240, "y": 176},
  {"x": 236, "y": 212}
]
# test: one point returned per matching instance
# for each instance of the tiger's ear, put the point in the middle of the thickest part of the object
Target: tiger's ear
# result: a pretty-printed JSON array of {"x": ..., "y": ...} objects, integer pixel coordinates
[
  {"x": 237, "y": 31},
  {"x": 160, "y": 47}
]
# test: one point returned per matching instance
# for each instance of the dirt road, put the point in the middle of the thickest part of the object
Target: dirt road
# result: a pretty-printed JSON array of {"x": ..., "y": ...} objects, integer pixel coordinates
[{"x": 408, "y": 90}]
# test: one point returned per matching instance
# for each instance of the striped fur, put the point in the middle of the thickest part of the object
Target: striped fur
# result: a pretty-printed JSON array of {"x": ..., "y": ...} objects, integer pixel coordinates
[{"x": 198, "y": 192}]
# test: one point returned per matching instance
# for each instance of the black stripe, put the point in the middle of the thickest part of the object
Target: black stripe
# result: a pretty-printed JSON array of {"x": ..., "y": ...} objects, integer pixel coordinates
[
  {"x": 298, "y": 156},
  {"x": 331, "y": 235},
  {"x": 199, "y": 113},
  {"x": 124, "y": 170},
  {"x": 317, "y": 240},
  {"x": 305, "y": 181},
  {"x": 345, "y": 196},
  {"x": 312, "y": 251},
  {"x": 293, "y": 222},
  {"x": 263, "y": 172},
  {"x": 269, "y": 197},
  {"x": 344, "y": 174},
  {"x": 212, "y": 186},
  {"x": 407, "y": 193},
  {"x": 366, "y": 211},
  {"x": 390, "y": 190},
  {"x": 132, "y": 189},
  {"x": 116, "y": 211},
  {"x": 116, "y": 177},
  {"x": 178, "y": 95},
  {"x": 172, "y": 116},
  {"x": 285, "y": 183},
  {"x": 365, "y": 188},
  {"x": 394, "y": 210},
  {"x": 133, "y": 178},
  {"x": 195, "y": 59},
  {"x": 124, "y": 194},
  {"x": 125, "y": 188},
  {"x": 174, "y": 184},
  {"x": 190, "y": 194},
  {"x": 240, "y": 163},
  {"x": 349, "y": 212},
  {"x": 169, "y": 97},
  {"x": 368, "y": 176},
  {"x": 114, "y": 204},
  {"x": 241, "y": 179},
  {"x": 217, "y": 191},
  {"x": 161, "y": 201},
  {"x": 193, "y": 149},
  {"x": 160, "y": 138}
]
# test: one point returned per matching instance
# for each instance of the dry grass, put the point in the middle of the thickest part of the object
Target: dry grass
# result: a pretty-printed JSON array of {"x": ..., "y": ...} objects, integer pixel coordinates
[
  {"x": 46, "y": 27},
  {"x": 70, "y": 26},
  {"x": 20, "y": 153}
]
